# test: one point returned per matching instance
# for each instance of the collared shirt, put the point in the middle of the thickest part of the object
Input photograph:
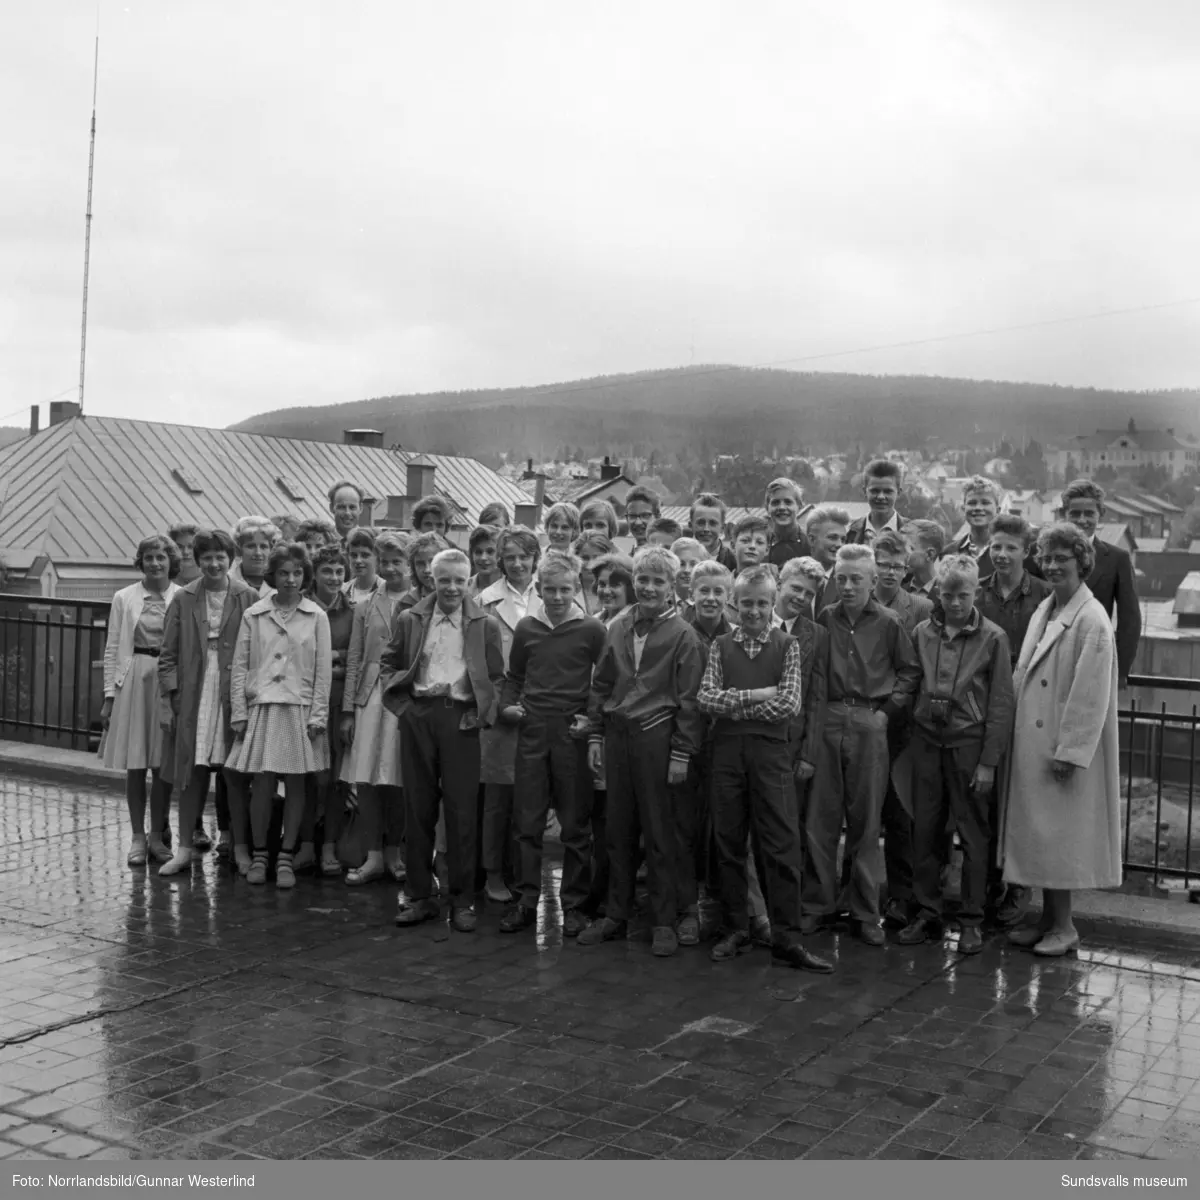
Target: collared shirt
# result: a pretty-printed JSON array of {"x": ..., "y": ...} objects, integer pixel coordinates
[
  {"x": 870, "y": 533},
  {"x": 1014, "y": 611},
  {"x": 873, "y": 659},
  {"x": 646, "y": 624},
  {"x": 719, "y": 701},
  {"x": 966, "y": 546},
  {"x": 443, "y": 669}
]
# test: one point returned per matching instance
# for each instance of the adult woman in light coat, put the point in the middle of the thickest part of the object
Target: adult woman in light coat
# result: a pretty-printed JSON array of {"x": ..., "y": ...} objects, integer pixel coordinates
[
  {"x": 132, "y": 739},
  {"x": 1061, "y": 824}
]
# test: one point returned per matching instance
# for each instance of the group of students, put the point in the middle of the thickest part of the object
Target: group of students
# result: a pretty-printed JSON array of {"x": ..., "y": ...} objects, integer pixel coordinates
[{"x": 708, "y": 716}]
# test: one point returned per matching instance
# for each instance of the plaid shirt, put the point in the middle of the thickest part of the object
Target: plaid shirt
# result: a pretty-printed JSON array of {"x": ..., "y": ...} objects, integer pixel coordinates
[{"x": 719, "y": 701}]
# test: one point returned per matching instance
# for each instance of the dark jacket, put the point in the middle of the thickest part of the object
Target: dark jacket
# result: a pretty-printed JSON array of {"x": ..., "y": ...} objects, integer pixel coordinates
[
  {"x": 785, "y": 550},
  {"x": 1112, "y": 583},
  {"x": 856, "y": 532},
  {"x": 665, "y": 686},
  {"x": 973, "y": 673},
  {"x": 910, "y": 608},
  {"x": 813, "y": 641},
  {"x": 483, "y": 651},
  {"x": 181, "y": 668},
  {"x": 963, "y": 546},
  {"x": 1013, "y": 614}
]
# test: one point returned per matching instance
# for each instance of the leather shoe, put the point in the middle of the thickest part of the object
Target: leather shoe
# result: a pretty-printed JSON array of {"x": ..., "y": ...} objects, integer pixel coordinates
[
  {"x": 1055, "y": 945},
  {"x": 795, "y": 955},
  {"x": 730, "y": 946},
  {"x": 923, "y": 929},
  {"x": 896, "y": 915},
  {"x": 665, "y": 942},
  {"x": 970, "y": 940},
  {"x": 1026, "y": 937},
  {"x": 413, "y": 912},
  {"x": 869, "y": 933},
  {"x": 603, "y": 930},
  {"x": 574, "y": 923},
  {"x": 463, "y": 920},
  {"x": 516, "y": 918}
]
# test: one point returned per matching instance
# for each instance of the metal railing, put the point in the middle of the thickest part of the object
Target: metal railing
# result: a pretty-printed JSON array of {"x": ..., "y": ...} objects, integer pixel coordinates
[
  {"x": 52, "y": 670},
  {"x": 1158, "y": 761}
]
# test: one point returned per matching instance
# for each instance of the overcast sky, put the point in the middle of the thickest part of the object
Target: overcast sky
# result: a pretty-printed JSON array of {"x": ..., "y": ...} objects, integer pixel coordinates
[{"x": 303, "y": 203}]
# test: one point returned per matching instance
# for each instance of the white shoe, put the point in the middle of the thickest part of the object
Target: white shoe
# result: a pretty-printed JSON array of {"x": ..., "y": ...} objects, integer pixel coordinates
[{"x": 181, "y": 861}]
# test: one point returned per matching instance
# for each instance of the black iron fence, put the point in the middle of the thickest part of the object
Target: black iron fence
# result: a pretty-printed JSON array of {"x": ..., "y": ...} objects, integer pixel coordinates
[
  {"x": 52, "y": 670},
  {"x": 1159, "y": 745}
]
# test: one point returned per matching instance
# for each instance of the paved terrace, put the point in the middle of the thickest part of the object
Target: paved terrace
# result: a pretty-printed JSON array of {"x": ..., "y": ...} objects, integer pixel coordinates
[{"x": 205, "y": 1019}]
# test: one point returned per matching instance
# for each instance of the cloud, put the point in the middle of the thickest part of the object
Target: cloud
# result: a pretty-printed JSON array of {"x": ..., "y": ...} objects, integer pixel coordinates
[{"x": 305, "y": 204}]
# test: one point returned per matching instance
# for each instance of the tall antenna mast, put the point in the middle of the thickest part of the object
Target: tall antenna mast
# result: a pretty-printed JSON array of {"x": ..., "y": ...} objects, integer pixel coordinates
[{"x": 87, "y": 235}]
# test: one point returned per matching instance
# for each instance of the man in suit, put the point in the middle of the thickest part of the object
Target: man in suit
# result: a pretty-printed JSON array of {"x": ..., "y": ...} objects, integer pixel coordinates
[{"x": 1111, "y": 580}]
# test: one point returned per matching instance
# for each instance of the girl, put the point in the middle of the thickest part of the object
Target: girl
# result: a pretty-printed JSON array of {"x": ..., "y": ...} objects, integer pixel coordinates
[
  {"x": 364, "y": 576},
  {"x": 281, "y": 678},
  {"x": 508, "y": 599},
  {"x": 598, "y": 516},
  {"x": 132, "y": 740},
  {"x": 323, "y": 794},
  {"x": 421, "y": 552},
  {"x": 254, "y": 537},
  {"x": 495, "y": 514},
  {"x": 588, "y": 548},
  {"x": 562, "y": 526},
  {"x": 193, "y": 675},
  {"x": 613, "y": 574},
  {"x": 482, "y": 547},
  {"x": 370, "y": 733},
  {"x": 317, "y": 532}
]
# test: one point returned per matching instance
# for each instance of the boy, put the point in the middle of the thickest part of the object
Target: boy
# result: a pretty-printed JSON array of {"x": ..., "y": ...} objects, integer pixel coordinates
[
  {"x": 646, "y": 727},
  {"x": 443, "y": 670},
  {"x": 662, "y": 531},
  {"x": 690, "y": 554},
  {"x": 927, "y": 541},
  {"x": 799, "y": 583},
  {"x": 1008, "y": 598},
  {"x": 827, "y": 530},
  {"x": 547, "y": 686},
  {"x": 981, "y": 503},
  {"x": 891, "y": 563},
  {"x": 707, "y": 521},
  {"x": 431, "y": 515},
  {"x": 962, "y": 721},
  {"x": 782, "y": 502},
  {"x": 712, "y": 592},
  {"x": 751, "y": 542},
  {"x": 752, "y": 690},
  {"x": 642, "y": 505},
  {"x": 1010, "y": 595},
  {"x": 1111, "y": 580},
  {"x": 881, "y": 486},
  {"x": 871, "y": 678}
]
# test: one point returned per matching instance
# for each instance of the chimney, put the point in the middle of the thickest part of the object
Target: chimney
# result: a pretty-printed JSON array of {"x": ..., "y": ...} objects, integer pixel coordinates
[
  {"x": 368, "y": 508},
  {"x": 399, "y": 511},
  {"x": 34, "y": 417},
  {"x": 608, "y": 470},
  {"x": 363, "y": 437},
  {"x": 527, "y": 515},
  {"x": 421, "y": 471},
  {"x": 539, "y": 491},
  {"x": 62, "y": 410}
]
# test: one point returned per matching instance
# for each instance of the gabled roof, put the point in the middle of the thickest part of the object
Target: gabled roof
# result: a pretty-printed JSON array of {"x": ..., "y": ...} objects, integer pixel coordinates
[
  {"x": 1152, "y": 545},
  {"x": 1114, "y": 532},
  {"x": 89, "y": 489},
  {"x": 1144, "y": 439},
  {"x": 1158, "y": 504},
  {"x": 578, "y": 491}
]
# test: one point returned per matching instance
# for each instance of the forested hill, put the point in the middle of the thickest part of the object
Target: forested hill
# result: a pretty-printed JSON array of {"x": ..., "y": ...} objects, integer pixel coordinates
[{"x": 702, "y": 410}]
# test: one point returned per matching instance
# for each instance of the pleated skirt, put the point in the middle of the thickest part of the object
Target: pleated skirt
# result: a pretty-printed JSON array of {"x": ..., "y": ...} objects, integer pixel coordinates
[
  {"x": 374, "y": 755},
  {"x": 277, "y": 741},
  {"x": 134, "y": 738}
]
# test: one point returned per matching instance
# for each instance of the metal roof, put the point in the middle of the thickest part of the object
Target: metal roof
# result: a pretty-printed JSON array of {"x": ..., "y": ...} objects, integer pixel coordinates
[{"x": 90, "y": 488}]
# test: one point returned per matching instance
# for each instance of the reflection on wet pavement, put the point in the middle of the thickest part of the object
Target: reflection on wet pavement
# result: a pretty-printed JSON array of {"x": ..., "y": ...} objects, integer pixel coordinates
[{"x": 147, "y": 1018}]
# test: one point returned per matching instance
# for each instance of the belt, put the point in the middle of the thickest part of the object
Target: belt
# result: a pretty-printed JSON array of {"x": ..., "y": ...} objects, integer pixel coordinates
[
  {"x": 146, "y": 651},
  {"x": 444, "y": 701},
  {"x": 859, "y": 702}
]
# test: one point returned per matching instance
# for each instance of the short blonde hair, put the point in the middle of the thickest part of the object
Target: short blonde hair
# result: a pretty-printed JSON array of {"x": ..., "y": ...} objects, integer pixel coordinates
[
  {"x": 855, "y": 556},
  {"x": 711, "y": 569},
  {"x": 558, "y": 562},
  {"x": 679, "y": 545},
  {"x": 977, "y": 483},
  {"x": 764, "y": 573},
  {"x": 656, "y": 558},
  {"x": 567, "y": 511},
  {"x": 956, "y": 568},
  {"x": 248, "y": 526},
  {"x": 806, "y": 566}
]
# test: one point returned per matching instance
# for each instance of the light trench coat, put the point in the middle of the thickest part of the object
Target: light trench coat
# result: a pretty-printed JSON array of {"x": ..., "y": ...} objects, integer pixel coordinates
[{"x": 1065, "y": 835}]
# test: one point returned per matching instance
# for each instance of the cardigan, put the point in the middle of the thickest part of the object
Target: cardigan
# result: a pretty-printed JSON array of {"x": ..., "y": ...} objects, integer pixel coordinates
[{"x": 123, "y": 617}]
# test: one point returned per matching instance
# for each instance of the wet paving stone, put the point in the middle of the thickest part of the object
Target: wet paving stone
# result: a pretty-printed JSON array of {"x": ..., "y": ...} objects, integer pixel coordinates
[{"x": 201, "y": 1018}]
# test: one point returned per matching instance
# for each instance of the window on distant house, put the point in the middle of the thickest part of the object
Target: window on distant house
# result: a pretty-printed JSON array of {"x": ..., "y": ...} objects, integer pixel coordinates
[
  {"x": 291, "y": 489},
  {"x": 188, "y": 482}
]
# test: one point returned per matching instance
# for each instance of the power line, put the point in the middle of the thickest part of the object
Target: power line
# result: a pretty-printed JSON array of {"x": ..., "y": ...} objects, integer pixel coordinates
[{"x": 675, "y": 373}]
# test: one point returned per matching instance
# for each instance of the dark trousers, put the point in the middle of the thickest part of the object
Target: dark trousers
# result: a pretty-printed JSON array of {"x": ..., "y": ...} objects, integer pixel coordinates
[
  {"x": 498, "y": 844},
  {"x": 942, "y": 787},
  {"x": 598, "y": 893},
  {"x": 849, "y": 787},
  {"x": 548, "y": 757},
  {"x": 753, "y": 794},
  {"x": 897, "y": 825},
  {"x": 642, "y": 803},
  {"x": 440, "y": 763}
]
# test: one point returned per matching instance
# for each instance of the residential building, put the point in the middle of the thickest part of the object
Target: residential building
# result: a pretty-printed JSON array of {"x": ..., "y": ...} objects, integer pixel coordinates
[{"x": 1132, "y": 449}]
